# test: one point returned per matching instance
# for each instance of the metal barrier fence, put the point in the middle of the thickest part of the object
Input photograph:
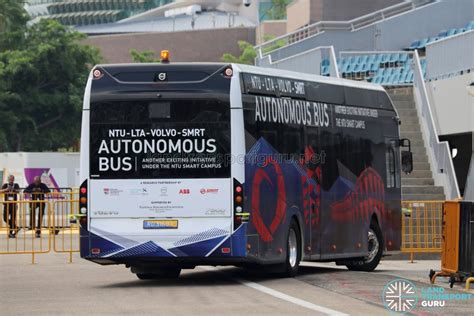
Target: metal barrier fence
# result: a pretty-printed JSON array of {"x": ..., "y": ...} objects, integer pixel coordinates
[
  {"x": 421, "y": 227},
  {"x": 422, "y": 224},
  {"x": 39, "y": 226},
  {"x": 67, "y": 240}
]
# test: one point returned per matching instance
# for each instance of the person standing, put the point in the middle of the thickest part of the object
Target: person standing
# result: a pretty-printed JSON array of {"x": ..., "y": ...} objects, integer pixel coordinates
[
  {"x": 10, "y": 191},
  {"x": 37, "y": 190}
]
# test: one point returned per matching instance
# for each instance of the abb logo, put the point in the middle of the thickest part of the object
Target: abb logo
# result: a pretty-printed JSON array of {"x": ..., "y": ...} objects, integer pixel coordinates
[
  {"x": 204, "y": 191},
  {"x": 184, "y": 191}
]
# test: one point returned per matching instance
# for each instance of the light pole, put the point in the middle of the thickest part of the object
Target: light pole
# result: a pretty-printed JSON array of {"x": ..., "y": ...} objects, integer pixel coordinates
[{"x": 259, "y": 28}]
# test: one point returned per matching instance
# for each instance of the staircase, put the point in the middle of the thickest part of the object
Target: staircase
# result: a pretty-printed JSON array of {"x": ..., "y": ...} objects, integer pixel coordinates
[{"x": 419, "y": 185}]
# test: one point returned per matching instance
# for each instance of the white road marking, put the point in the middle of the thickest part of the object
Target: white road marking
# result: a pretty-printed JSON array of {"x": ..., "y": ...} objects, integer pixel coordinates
[
  {"x": 283, "y": 296},
  {"x": 290, "y": 299}
]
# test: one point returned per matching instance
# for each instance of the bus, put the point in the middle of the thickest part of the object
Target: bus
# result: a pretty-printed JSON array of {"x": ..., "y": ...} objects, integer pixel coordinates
[{"x": 187, "y": 164}]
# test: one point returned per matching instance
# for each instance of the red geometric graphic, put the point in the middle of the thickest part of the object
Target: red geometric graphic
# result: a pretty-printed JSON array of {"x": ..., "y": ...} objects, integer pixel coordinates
[
  {"x": 266, "y": 233},
  {"x": 368, "y": 194},
  {"x": 311, "y": 205}
]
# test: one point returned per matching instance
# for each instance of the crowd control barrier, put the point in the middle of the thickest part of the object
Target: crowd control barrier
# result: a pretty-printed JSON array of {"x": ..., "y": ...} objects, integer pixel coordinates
[
  {"x": 421, "y": 227},
  {"x": 30, "y": 226}
]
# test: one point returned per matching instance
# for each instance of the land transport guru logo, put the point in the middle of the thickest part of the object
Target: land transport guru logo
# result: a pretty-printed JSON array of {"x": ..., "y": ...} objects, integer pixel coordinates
[{"x": 400, "y": 296}]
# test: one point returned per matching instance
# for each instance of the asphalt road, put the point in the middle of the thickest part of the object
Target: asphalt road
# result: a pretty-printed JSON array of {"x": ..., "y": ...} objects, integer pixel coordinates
[{"x": 54, "y": 287}]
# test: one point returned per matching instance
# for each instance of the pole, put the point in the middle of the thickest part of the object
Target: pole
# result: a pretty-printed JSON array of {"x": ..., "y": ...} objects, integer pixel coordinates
[{"x": 259, "y": 35}]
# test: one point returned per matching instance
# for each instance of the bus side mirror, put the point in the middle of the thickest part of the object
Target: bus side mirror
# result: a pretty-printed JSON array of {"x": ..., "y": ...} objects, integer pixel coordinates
[
  {"x": 405, "y": 142},
  {"x": 407, "y": 161}
]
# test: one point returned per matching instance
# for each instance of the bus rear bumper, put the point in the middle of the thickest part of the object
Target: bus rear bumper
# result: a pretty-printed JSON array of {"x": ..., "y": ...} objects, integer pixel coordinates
[
  {"x": 101, "y": 249},
  {"x": 182, "y": 262}
]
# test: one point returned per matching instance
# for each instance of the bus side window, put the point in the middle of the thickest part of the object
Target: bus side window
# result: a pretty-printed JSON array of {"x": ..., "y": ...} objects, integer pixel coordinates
[
  {"x": 270, "y": 137},
  {"x": 390, "y": 171},
  {"x": 292, "y": 144},
  {"x": 312, "y": 143},
  {"x": 251, "y": 134}
]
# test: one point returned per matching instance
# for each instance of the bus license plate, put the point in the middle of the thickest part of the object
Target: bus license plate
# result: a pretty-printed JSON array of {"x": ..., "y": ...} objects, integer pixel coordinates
[{"x": 160, "y": 224}]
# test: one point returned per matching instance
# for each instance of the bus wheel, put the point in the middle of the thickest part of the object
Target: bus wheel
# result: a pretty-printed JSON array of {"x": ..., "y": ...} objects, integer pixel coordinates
[
  {"x": 293, "y": 253},
  {"x": 375, "y": 244},
  {"x": 167, "y": 273}
]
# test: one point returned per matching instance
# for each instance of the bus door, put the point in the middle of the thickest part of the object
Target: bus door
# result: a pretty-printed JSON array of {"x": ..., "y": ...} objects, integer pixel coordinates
[
  {"x": 313, "y": 160},
  {"x": 391, "y": 217}
]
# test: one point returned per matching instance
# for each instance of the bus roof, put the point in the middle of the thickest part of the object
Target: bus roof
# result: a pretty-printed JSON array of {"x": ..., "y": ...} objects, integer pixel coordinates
[
  {"x": 255, "y": 70},
  {"x": 181, "y": 75},
  {"x": 308, "y": 77}
]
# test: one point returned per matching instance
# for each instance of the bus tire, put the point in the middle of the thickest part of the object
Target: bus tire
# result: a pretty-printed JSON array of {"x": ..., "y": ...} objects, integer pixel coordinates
[
  {"x": 145, "y": 276},
  {"x": 168, "y": 273},
  {"x": 293, "y": 251},
  {"x": 376, "y": 245}
]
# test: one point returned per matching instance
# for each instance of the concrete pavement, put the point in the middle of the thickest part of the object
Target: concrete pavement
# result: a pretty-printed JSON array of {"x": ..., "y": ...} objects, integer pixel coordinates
[{"x": 54, "y": 287}]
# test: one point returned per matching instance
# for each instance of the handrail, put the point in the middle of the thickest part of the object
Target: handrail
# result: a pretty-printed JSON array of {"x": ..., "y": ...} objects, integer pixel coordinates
[
  {"x": 315, "y": 55},
  {"x": 438, "y": 152},
  {"x": 333, "y": 67},
  {"x": 351, "y": 25}
]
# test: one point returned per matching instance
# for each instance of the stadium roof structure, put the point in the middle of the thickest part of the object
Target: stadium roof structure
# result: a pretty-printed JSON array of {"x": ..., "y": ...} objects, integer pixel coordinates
[
  {"x": 89, "y": 12},
  {"x": 146, "y": 13},
  {"x": 200, "y": 21}
]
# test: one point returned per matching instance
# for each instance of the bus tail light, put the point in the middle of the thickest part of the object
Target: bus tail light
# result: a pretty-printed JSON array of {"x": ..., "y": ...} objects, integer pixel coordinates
[
  {"x": 83, "y": 203},
  {"x": 239, "y": 215},
  {"x": 228, "y": 72},
  {"x": 97, "y": 74}
]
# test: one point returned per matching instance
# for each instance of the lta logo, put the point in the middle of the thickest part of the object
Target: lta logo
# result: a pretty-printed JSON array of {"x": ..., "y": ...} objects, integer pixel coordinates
[{"x": 400, "y": 296}]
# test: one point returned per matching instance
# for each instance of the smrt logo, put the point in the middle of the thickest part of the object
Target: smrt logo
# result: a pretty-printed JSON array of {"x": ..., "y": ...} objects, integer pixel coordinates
[
  {"x": 184, "y": 191},
  {"x": 106, "y": 191},
  {"x": 205, "y": 191},
  {"x": 400, "y": 296}
]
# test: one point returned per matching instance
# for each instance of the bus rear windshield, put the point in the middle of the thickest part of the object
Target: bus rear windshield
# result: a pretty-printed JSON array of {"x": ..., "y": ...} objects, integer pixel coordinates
[{"x": 166, "y": 139}]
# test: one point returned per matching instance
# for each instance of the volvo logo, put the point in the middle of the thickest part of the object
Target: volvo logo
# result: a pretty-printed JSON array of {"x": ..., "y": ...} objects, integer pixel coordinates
[{"x": 161, "y": 76}]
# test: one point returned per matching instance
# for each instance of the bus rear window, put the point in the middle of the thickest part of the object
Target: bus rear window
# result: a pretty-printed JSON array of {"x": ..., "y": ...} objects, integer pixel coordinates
[{"x": 169, "y": 139}]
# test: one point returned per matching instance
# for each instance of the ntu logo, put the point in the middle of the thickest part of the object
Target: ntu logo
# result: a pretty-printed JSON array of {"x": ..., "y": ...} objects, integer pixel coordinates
[{"x": 400, "y": 296}]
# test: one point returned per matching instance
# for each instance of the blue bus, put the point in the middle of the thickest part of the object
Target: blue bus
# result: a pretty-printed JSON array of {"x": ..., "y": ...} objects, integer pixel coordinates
[{"x": 187, "y": 164}]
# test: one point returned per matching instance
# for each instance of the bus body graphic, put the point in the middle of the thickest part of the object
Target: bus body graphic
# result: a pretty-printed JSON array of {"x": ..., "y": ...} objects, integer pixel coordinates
[{"x": 210, "y": 169}]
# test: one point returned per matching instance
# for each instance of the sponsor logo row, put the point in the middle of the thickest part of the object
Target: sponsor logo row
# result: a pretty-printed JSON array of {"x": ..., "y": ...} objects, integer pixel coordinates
[{"x": 163, "y": 191}]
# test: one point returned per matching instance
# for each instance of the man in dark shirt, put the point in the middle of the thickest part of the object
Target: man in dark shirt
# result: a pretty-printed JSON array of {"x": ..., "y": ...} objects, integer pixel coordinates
[
  {"x": 37, "y": 190},
  {"x": 10, "y": 192}
]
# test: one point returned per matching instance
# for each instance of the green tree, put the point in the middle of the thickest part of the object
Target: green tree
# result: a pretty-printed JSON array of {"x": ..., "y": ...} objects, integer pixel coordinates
[
  {"x": 248, "y": 52},
  {"x": 41, "y": 87},
  {"x": 275, "y": 45},
  {"x": 13, "y": 20},
  {"x": 247, "y": 55},
  {"x": 12, "y": 15},
  {"x": 277, "y": 11},
  {"x": 146, "y": 56}
]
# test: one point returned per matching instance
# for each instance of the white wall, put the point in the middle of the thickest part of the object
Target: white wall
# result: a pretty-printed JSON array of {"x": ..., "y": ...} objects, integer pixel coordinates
[
  {"x": 62, "y": 168},
  {"x": 453, "y": 106},
  {"x": 469, "y": 189}
]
